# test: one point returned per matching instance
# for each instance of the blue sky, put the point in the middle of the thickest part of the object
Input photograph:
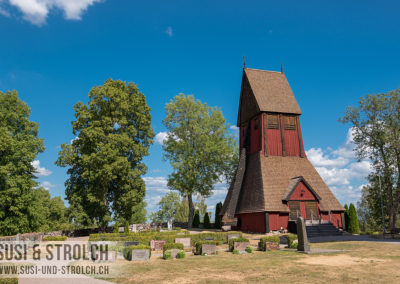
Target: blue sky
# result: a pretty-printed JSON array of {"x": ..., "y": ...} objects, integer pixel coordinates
[{"x": 333, "y": 52}]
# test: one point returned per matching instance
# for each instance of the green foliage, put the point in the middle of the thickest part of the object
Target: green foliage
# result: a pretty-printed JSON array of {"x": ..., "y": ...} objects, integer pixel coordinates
[
  {"x": 126, "y": 229},
  {"x": 291, "y": 240},
  {"x": 168, "y": 206},
  {"x": 199, "y": 244},
  {"x": 181, "y": 254},
  {"x": 105, "y": 162},
  {"x": 249, "y": 249},
  {"x": 272, "y": 239},
  {"x": 207, "y": 224},
  {"x": 353, "y": 220},
  {"x": 199, "y": 147},
  {"x": 116, "y": 228},
  {"x": 127, "y": 251},
  {"x": 196, "y": 219},
  {"x": 54, "y": 238},
  {"x": 346, "y": 217},
  {"x": 375, "y": 125},
  {"x": 167, "y": 254},
  {"x": 139, "y": 213},
  {"x": 201, "y": 207},
  {"x": 294, "y": 245},
  {"x": 169, "y": 246},
  {"x": 19, "y": 146},
  {"x": 232, "y": 242},
  {"x": 182, "y": 212},
  {"x": 235, "y": 251},
  {"x": 218, "y": 209}
]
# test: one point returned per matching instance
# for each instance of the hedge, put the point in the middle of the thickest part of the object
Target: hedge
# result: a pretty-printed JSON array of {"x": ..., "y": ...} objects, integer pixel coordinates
[
  {"x": 290, "y": 240},
  {"x": 220, "y": 237},
  {"x": 127, "y": 251},
  {"x": 173, "y": 246},
  {"x": 272, "y": 239},
  {"x": 199, "y": 244},
  {"x": 54, "y": 238},
  {"x": 232, "y": 242}
]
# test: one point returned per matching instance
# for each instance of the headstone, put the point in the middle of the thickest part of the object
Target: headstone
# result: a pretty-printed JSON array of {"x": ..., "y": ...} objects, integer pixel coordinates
[
  {"x": 169, "y": 225},
  {"x": 140, "y": 254},
  {"x": 302, "y": 236},
  {"x": 241, "y": 246},
  {"x": 271, "y": 246},
  {"x": 184, "y": 241},
  {"x": 133, "y": 228},
  {"x": 226, "y": 228},
  {"x": 127, "y": 244},
  {"x": 156, "y": 244},
  {"x": 233, "y": 236},
  {"x": 121, "y": 229},
  {"x": 208, "y": 249}
]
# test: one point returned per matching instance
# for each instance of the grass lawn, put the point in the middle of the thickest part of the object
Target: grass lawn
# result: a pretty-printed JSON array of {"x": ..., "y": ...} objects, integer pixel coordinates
[{"x": 362, "y": 262}]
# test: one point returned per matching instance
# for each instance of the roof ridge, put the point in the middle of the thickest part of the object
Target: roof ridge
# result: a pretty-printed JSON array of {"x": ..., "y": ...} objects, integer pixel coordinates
[{"x": 264, "y": 70}]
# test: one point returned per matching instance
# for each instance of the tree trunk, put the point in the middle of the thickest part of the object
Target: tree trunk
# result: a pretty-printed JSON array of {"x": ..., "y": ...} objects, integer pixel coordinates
[{"x": 191, "y": 211}]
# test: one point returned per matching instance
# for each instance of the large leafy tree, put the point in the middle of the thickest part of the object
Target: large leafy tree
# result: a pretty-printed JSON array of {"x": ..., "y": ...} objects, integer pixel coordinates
[
  {"x": 168, "y": 206},
  {"x": 105, "y": 161},
  {"x": 376, "y": 129},
  {"x": 19, "y": 146},
  {"x": 199, "y": 147}
]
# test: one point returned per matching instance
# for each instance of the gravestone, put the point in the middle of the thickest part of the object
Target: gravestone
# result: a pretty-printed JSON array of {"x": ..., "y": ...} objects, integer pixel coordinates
[
  {"x": 156, "y": 244},
  {"x": 271, "y": 246},
  {"x": 184, "y": 241},
  {"x": 226, "y": 228},
  {"x": 302, "y": 236},
  {"x": 133, "y": 228},
  {"x": 140, "y": 254},
  {"x": 169, "y": 225},
  {"x": 127, "y": 244},
  {"x": 208, "y": 249},
  {"x": 241, "y": 246},
  {"x": 233, "y": 236},
  {"x": 121, "y": 229}
]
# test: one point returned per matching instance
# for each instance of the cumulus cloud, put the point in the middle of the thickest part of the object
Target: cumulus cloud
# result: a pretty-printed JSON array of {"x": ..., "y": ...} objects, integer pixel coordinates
[
  {"x": 169, "y": 31},
  {"x": 160, "y": 137},
  {"x": 47, "y": 185},
  {"x": 235, "y": 129},
  {"x": 36, "y": 11},
  {"x": 39, "y": 170},
  {"x": 156, "y": 184}
]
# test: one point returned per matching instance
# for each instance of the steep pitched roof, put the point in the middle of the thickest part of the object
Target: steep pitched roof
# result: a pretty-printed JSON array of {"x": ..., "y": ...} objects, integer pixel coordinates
[
  {"x": 267, "y": 91},
  {"x": 292, "y": 186},
  {"x": 275, "y": 175}
]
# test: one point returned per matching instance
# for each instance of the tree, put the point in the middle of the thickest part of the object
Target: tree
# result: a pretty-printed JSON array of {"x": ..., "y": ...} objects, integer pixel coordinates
[
  {"x": 376, "y": 129},
  {"x": 353, "y": 225},
  {"x": 199, "y": 147},
  {"x": 218, "y": 222},
  {"x": 168, "y": 206},
  {"x": 106, "y": 159},
  {"x": 139, "y": 213},
  {"x": 19, "y": 146},
  {"x": 182, "y": 213},
  {"x": 201, "y": 206},
  {"x": 207, "y": 223},
  {"x": 196, "y": 219},
  {"x": 116, "y": 227},
  {"x": 346, "y": 217}
]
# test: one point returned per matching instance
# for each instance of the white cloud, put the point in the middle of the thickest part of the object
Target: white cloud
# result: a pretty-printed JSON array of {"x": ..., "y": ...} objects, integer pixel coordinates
[
  {"x": 4, "y": 12},
  {"x": 39, "y": 170},
  {"x": 317, "y": 158},
  {"x": 169, "y": 31},
  {"x": 47, "y": 185},
  {"x": 161, "y": 137},
  {"x": 156, "y": 184},
  {"x": 36, "y": 11},
  {"x": 235, "y": 129}
]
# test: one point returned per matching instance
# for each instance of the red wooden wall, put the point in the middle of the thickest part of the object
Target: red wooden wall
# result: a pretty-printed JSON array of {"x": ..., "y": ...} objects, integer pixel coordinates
[
  {"x": 336, "y": 218},
  {"x": 252, "y": 222},
  {"x": 302, "y": 193},
  {"x": 278, "y": 220}
]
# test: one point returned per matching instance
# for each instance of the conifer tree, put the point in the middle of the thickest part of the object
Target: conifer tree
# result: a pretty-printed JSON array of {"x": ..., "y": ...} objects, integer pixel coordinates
[
  {"x": 353, "y": 220},
  {"x": 196, "y": 219},
  {"x": 207, "y": 224},
  {"x": 218, "y": 208}
]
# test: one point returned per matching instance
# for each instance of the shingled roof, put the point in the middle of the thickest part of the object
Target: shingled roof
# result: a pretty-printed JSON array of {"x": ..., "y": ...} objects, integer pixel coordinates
[
  {"x": 276, "y": 173},
  {"x": 270, "y": 92}
]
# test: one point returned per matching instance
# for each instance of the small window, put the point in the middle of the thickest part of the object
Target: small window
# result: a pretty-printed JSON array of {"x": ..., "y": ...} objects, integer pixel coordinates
[
  {"x": 256, "y": 123},
  {"x": 273, "y": 121},
  {"x": 290, "y": 122}
]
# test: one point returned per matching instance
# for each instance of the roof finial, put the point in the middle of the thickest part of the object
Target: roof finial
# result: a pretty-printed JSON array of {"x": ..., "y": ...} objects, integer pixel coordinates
[
  {"x": 281, "y": 68},
  {"x": 244, "y": 62}
]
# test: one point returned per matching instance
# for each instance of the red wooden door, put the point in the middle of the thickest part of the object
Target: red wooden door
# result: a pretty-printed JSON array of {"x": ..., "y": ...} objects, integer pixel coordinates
[{"x": 303, "y": 210}]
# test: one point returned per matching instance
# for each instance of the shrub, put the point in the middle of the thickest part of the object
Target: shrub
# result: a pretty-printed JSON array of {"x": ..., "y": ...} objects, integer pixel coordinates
[
  {"x": 232, "y": 242},
  {"x": 272, "y": 239},
  {"x": 199, "y": 244},
  {"x": 181, "y": 254},
  {"x": 217, "y": 217},
  {"x": 294, "y": 245},
  {"x": 249, "y": 249},
  {"x": 116, "y": 228},
  {"x": 353, "y": 220},
  {"x": 235, "y": 251},
  {"x": 220, "y": 237},
  {"x": 173, "y": 246},
  {"x": 196, "y": 219},
  {"x": 290, "y": 240},
  {"x": 167, "y": 254},
  {"x": 54, "y": 238},
  {"x": 207, "y": 224},
  {"x": 127, "y": 251},
  {"x": 126, "y": 230}
]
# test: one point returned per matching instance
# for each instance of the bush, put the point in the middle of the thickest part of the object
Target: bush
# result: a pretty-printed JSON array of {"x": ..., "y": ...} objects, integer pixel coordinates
[
  {"x": 116, "y": 228},
  {"x": 232, "y": 242},
  {"x": 272, "y": 239},
  {"x": 126, "y": 230},
  {"x": 196, "y": 219},
  {"x": 353, "y": 220},
  {"x": 235, "y": 251},
  {"x": 207, "y": 224},
  {"x": 199, "y": 244},
  {"x": 294, "y": 245},
  {"x": 249, "y": 249},
  {"x": 217, "y": 217},
  {"x": 173, "y": 246},
  {"x": 181, "y": 254},
  {"x": 127, "y": 251},
  {"x": 167, "y": 254},
  {"x": 220, "y": 237},
  {"x": 290, "y": 240},
  {"x": 54, "y": 238}
]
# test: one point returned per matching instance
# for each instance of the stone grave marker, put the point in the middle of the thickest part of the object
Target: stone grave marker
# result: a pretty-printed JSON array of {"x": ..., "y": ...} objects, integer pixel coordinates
[
  {"x": 208, "y": 249},
  {"x": 302, "y": 236},
  {"x": 169, "y": 224},
  {"x": 127, "y": 244},
  {"x": 184, "y": 241},
  {"x": 271, "y": 246},
  {"x": 226, "y": 228},
  {"x": 156, "y": 244},
  {"x": 232, "y": 236},
  {"x": 241, "y": 246},
  {"x": 140, "y": 254}
]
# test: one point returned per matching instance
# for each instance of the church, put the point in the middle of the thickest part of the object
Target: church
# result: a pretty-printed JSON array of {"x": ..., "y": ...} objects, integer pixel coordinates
[{"x": 274, "y": 183}]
